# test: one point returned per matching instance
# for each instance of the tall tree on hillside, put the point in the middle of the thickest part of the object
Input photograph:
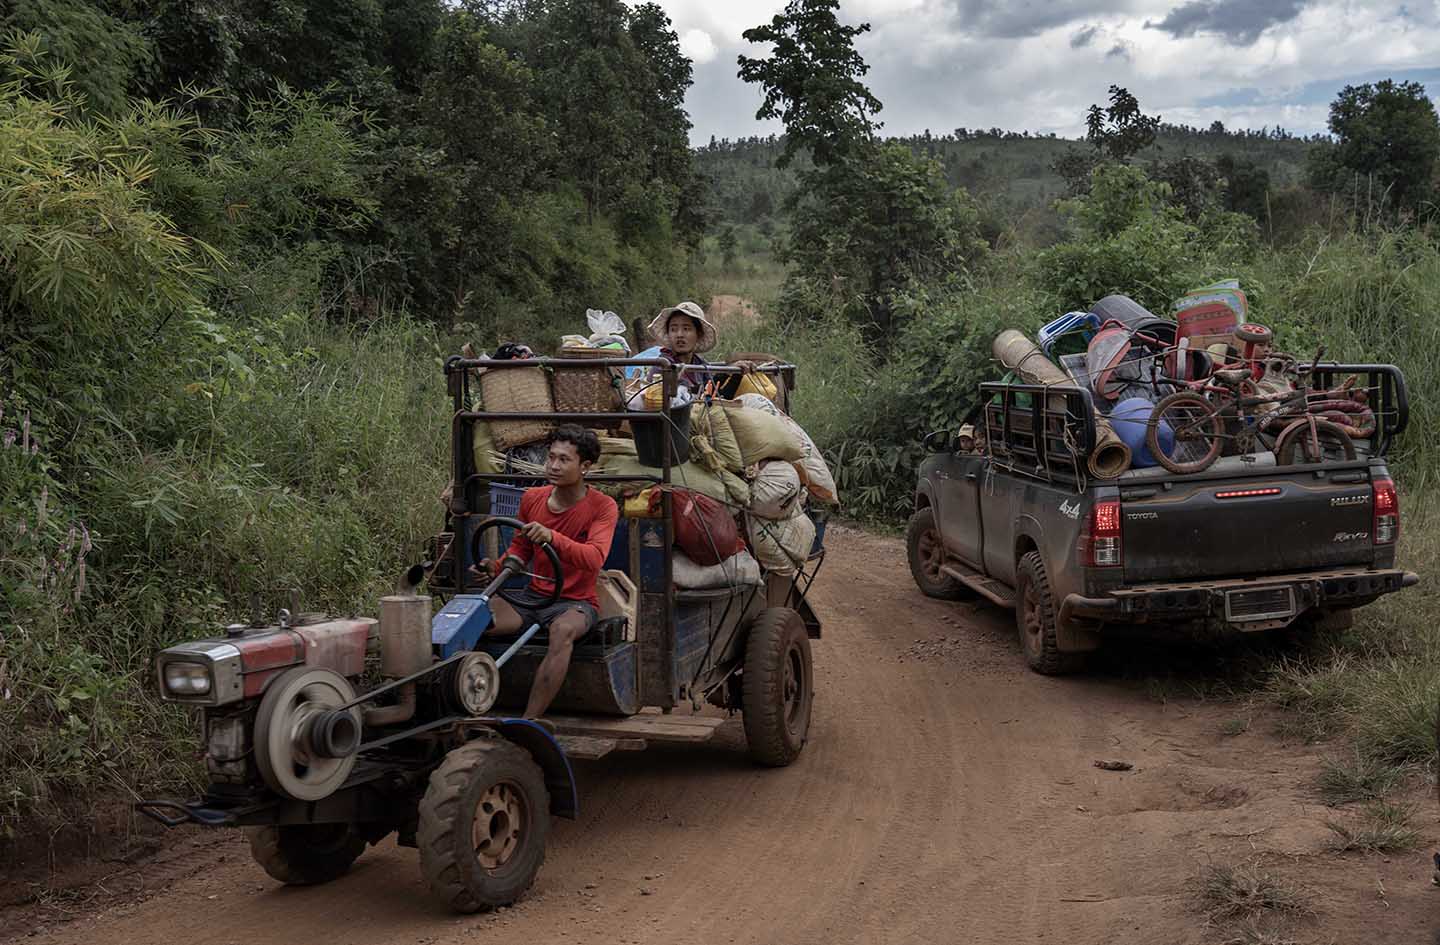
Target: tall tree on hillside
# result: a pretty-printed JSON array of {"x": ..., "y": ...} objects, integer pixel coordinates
[
  {"x": 1121, "y": 129},
  {"x": 1387, "y": 131},
  {"x": 812, "y": 81},
  {"x": 870, "y": 222},
  {"x": 1116, "y": 133}
]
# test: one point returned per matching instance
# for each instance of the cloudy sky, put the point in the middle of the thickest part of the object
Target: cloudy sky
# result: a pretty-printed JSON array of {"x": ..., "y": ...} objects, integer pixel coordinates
[{"x": 1038, "y": 64}]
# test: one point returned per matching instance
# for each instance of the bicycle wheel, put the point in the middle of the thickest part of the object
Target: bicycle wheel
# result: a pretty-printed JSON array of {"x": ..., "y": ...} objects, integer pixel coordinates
[
  {"x": 1197, "y": 428},
  {"x": 1312, "y": 440}
]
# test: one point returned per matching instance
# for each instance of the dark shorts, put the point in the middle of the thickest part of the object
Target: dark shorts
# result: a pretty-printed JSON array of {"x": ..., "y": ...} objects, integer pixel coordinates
[{"x": 532, "y": 609}]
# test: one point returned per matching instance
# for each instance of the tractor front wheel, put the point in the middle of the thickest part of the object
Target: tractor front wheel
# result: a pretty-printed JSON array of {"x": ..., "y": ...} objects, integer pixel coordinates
[
  {"x": 483, "y": 825},
  {"x": 306, "y": 854},
  {"x": 778, "y": 687}
]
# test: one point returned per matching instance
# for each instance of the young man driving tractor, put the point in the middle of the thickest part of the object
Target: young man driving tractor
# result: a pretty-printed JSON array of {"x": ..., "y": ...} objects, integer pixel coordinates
[{"x": 578, "y": 522}]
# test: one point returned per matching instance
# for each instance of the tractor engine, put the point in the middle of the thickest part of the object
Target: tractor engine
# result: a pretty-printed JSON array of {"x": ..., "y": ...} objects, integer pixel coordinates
[
  {"x": 281, "y": 707},
  {"x": 228, "y": 677}
]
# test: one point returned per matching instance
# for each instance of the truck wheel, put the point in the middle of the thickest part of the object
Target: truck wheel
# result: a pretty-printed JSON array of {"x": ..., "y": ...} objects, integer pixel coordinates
[
  {"x": 1035, "y": 618},
  {"x": 484, "y": 820},
  {"x": 777, "y": 687},
  {"x": 926, "y": 551},
  {"x": 306, "y": 854}
]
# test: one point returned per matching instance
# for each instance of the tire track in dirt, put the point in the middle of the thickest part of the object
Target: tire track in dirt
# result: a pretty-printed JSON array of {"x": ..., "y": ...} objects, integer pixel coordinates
[{"x": 947, "y": 795}]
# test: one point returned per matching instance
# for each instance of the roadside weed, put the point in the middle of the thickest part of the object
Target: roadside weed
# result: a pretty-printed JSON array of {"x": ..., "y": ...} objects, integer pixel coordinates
[
  {"x": 1356, "y": 777},
  {"x": 1247, "y": 891},
  {"x": 1382, "y": 828}
]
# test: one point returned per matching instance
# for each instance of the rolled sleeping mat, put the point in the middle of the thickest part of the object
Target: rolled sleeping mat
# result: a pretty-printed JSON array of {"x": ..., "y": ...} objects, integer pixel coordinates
[{"x": 1111, "y": 456}]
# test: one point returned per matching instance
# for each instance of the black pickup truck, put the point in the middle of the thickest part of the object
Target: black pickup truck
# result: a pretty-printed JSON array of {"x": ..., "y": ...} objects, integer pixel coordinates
[{"x": 1011, "y": 516}]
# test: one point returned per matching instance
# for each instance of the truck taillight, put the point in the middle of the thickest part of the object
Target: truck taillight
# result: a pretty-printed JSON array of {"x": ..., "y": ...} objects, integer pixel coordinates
[
  {"x": 1100, "y": 538},
  {"x": 1387, "y": 512}
]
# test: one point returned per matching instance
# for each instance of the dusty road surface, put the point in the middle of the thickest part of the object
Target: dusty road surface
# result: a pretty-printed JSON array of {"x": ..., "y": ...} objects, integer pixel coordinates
[{"x": 947, "y": 796}]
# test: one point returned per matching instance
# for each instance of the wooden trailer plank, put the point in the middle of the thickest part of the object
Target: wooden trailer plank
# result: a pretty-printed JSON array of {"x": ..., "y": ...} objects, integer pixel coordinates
[{"x": 647, "y": 726}]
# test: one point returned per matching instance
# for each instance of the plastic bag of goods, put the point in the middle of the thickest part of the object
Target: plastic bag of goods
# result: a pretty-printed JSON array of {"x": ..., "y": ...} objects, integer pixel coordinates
[
  {"x": 781, "y": 546},
  {"x": 776, "y": 492},
  {"x": 758, "y": 385},
  {"x": 738, "y": 570},
  {"x": 818, "y": 479},
  {"x": 704, "y": 529}
]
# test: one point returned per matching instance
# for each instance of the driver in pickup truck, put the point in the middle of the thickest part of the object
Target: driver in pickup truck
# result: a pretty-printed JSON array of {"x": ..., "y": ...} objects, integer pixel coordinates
[{"x": 578, "y": 522}]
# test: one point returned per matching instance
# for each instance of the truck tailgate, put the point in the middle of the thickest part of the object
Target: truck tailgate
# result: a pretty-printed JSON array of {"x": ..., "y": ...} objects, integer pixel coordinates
[{"x": 1264, "y": 524}]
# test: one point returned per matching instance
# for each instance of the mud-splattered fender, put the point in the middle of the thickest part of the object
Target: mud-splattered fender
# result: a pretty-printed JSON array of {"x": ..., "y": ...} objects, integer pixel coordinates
[{"x": 559, "y": 779}]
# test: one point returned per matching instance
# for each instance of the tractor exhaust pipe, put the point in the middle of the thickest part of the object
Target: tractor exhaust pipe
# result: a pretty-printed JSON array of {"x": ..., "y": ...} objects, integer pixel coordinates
[{"x": 404, "y": 651}]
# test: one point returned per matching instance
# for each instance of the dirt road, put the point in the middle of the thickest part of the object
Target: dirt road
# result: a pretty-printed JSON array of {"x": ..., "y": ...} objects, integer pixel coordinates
[{"x": 947, "y": 796}]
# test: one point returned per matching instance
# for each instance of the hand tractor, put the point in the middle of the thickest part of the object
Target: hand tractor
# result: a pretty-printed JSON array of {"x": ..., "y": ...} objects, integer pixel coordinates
[{"x": 323, "y": 735}]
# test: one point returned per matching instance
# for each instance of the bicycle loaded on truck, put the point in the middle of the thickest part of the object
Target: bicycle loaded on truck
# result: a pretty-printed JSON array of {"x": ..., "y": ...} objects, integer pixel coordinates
[{"x": 316, "y": 751}]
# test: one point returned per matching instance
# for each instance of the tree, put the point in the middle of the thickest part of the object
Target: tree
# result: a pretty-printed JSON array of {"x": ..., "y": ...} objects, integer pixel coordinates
[
  {"x": 870, "y": 221},
  {"x": 1387, "y": 131},
  {"x": 102, "y": 52},
  {"x": 728, "y": 244},
  {"x": 1195, "y": 184},
  {"x": 1120, "y": 130},
  {"x": 812, "y": 81},
  {"x": 878, "y": 225},
  {"x": 1246, "y": 185}
]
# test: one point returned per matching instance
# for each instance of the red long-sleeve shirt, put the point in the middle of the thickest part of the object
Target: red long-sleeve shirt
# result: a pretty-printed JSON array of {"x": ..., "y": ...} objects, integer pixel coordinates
[{"x": 582, "y": 535}]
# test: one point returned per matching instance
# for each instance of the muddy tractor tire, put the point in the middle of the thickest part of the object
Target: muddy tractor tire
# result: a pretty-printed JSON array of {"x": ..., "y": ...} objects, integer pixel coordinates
[
  {"x": 306, "y": 854},
  {"x": 1035, "y": 618},
  {"x": 484, "y": 821},
  {"x": 925, "y": 551},
  {"x": 777, "y": 687}
]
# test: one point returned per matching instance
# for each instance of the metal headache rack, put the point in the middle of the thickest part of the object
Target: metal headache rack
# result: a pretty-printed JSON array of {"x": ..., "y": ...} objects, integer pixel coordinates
[
  {"x": 1048, "y": 431},
  {"x": 690, "y": 657}
]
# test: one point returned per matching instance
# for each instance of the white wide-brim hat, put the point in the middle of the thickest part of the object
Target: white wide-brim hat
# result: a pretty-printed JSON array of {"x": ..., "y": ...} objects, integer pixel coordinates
[{"x": 708, "y": 335}]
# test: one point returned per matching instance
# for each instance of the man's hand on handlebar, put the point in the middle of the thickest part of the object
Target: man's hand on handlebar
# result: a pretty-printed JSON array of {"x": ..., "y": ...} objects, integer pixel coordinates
[
  {"x": 485, "y": 570},
  {"x": 537, "y": 533}
]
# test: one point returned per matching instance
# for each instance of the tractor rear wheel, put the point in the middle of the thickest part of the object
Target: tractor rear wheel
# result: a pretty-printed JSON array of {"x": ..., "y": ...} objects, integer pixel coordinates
[
  {"x": 306, "y": 854},
  {"x": 777, "y": 687},
  {"x": 483, "y": 825}
]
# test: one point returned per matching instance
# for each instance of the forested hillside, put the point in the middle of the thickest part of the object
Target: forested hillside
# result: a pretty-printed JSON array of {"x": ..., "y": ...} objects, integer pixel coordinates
[{"x": 1013, "y": 172}]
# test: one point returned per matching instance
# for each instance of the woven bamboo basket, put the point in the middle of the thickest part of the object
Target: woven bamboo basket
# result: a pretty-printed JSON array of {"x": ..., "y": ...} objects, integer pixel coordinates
[
  {"x": 517, "y": 389},
  {"x": 584, "y": 390}
]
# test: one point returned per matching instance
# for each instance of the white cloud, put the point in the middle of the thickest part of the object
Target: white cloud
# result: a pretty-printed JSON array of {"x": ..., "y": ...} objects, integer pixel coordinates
[
  {"x": 697, "y": 44},
  {"x": 1011, "y": 63}
]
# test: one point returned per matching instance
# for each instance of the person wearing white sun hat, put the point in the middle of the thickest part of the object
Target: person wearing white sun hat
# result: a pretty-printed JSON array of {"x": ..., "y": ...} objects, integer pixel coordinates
[{"x": 684, "y": 334}]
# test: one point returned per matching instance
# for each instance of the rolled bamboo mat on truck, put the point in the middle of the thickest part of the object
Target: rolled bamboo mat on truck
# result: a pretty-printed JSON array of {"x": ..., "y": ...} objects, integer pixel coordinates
[{"x": 1111, "y": 456}]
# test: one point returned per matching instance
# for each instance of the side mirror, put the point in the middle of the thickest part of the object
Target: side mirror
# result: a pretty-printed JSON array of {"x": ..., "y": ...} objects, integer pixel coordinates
[{"x": 937, "y": 442}]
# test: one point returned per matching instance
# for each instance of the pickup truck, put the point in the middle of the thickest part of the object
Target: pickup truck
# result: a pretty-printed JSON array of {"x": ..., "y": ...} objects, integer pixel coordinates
[{"x": 1008, "y": 512}]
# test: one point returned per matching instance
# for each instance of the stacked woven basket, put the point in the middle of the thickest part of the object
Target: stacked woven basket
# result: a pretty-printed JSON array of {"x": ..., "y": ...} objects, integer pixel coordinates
[{"x": 531, "y": 390}]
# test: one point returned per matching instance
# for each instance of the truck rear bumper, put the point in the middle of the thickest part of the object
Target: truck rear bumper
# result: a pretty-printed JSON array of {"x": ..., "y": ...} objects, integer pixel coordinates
[{"x": 1249, "y": 603}]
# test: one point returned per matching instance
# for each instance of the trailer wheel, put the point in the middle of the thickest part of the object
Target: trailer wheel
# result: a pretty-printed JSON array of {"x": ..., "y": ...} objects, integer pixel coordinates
[
  {"x": 483, "y": 824},
  {"x": 306, "y": 854},
  {"x": 926, "y": 552},
  {"x": 1035, "y": 618},
  {"x": 777, "y": 687}
]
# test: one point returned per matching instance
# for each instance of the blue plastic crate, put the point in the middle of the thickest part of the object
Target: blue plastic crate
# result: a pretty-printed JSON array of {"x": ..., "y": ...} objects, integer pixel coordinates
[
  {"x": 1068, "y": 334},
  {"x": 505, "y": 500}
]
